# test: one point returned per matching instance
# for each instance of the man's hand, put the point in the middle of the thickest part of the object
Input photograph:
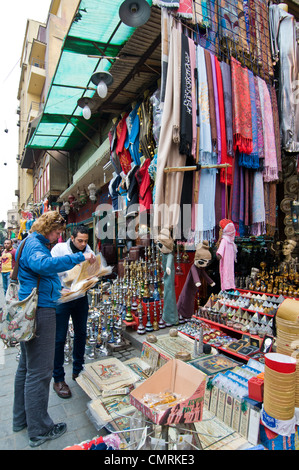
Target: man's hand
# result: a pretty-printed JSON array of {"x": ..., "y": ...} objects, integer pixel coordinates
[{"x": 90, "y": 257}]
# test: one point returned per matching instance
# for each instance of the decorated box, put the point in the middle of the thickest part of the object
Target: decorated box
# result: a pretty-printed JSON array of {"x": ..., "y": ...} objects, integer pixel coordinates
[{"x": 177, "y": 378}]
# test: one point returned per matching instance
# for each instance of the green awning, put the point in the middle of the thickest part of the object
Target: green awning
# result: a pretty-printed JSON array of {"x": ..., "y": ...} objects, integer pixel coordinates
[{"x": 96, "y": 29}]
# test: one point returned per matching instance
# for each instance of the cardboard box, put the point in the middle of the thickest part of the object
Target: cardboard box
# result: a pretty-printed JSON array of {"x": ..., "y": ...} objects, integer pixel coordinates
[
  {"x": 273, "y": 441},
  {"x": 178, "y": 377}
]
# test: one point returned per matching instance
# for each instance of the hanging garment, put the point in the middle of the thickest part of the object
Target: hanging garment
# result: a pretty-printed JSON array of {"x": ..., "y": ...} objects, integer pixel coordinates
[
  {"x": 276, "y": 127},
  {"x": 229, "y": 22},
  {"x": 260, "y": 130},
  {"x": 211, "y": 101},
  {"x": 251, "y": 160},
  {"x": 285, "y": 49},
  {"x": 169, "y": 185},
  {"x": 270, "y": 171},
  {"x": 166, "y": 21},
  {"x": 225, "y": 174},
  {"x": 113, "y": 191},
  {"x": 132, "y": 192},
  {"x": 205, "y": 210},
  {"x": 185, "y": 304},
  {"x": 123, "y": 154},
  {"x": 170, "y": 311},
  {"x": 205, "y": 139},
  {"x": 132, "y": 138},
  {"x": 113, "y": 156},
  {"x": 270, "y": 207},
  {"x": 242, "y": 125},
  {"x": 258, "y": 226},
  {"x": 186, "y": 135},
  {"x": 227, "y": 94},
  {"x": 185, "y": 9},
  {"x": 144, "y": 183},
  {"x": 216, "y": 108}
]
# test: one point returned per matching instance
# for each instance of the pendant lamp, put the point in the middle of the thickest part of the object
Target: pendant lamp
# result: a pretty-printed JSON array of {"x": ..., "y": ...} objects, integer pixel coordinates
[{"x": 134, "y": 12}]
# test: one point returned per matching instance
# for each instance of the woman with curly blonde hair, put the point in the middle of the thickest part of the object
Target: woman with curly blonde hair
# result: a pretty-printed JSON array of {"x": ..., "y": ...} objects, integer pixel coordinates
[{"x": 36, "y": 362}]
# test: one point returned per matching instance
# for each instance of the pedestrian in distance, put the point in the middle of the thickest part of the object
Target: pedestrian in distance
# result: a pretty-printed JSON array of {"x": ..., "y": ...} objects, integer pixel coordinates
[{"x": 7, "y": 263}]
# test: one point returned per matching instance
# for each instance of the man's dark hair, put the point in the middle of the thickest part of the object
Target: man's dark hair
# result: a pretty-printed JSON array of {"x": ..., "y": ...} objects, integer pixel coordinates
[{"x": 80, "y": 229}]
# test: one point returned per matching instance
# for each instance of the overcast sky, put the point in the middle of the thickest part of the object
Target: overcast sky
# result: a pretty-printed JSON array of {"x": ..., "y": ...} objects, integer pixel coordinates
[{"x": 12, "y": 29}]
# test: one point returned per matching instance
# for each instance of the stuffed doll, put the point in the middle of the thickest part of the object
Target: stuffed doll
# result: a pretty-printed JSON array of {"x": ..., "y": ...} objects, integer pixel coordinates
[
  {"x": 165, "y": 244},
  {"x": 194, "y": 279},
  {"x": 227, "y": 254}
]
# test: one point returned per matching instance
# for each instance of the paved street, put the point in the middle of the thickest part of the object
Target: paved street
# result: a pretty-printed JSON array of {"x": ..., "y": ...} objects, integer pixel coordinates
[{"x": 72, "y": 411}]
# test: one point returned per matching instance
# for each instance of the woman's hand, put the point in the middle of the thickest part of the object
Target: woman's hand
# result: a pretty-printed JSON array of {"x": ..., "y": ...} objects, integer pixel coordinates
[{"x": 89, "y": 257}]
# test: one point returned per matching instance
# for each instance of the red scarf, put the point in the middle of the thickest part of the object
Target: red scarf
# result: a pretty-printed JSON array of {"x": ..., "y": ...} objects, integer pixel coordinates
[
  {"x": 225, "y": 158},
  {"x": 242, "y": 124}
]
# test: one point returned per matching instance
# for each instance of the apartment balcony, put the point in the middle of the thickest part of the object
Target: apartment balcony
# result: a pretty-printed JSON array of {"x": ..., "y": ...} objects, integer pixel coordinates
[{"x": 37, "y": 77}]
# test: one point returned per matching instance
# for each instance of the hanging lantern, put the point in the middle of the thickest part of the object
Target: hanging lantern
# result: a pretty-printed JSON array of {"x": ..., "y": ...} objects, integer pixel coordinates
[
  {"x": 83, "y": 197},
  {"x": 66, "y": 206},
  {"x": 92, "y": 192}
]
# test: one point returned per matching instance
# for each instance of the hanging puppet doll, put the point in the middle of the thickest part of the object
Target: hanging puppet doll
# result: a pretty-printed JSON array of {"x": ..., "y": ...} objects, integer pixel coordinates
[
  {"x": 227, "y": 254},
  {"x": 165, "y": 244},
  {"x": 194, "y": 280}
]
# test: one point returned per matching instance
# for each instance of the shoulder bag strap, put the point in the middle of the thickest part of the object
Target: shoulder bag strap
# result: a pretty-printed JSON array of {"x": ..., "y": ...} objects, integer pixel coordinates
[{"x": 14, "y": 276}]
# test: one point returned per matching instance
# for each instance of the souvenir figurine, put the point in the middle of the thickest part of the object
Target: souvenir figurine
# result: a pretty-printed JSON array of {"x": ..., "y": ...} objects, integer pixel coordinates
[
  {"x": 165, "y": 244},
  {"x": 186, "y": 301}
]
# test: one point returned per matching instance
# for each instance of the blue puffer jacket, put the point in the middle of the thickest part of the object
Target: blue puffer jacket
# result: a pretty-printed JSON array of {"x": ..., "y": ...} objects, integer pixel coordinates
[{"x": 36, "y": 259}]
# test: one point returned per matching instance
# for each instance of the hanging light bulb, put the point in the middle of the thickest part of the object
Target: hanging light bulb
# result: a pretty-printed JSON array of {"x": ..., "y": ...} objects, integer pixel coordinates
[
  {"x": 102, "y": 89},
  {"x": 86, "y": 112},
  {"x": 84, "y": 103}
]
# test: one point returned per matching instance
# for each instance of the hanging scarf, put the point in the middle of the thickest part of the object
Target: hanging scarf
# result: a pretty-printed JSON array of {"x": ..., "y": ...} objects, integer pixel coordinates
[
  {"x": 276, "y": 127},
  {"x": 229, "y": 19},
  {"x": 167, "y": 3},
  {"x": 216, "y": 109},
  {"x": 211, "y": 100},
  {"x": 165, "y": 39},
  {"x": 242, "y": 125},
  {"x": 227, "y": 93},
  {"x": 270, "y": 170},
  {"x": 186, "y": 99},
  {"x": 205, "y": 140},
  {"x": 258, "y": 205},
  {"x": 260, "y": 131},
  {"x": 205, "y": 215},
  {"x": 270, "y": 207},
  {"x": 242, "y": 45},
  {"x": 225, "y": 174},
  {"x": 185, "y": 9},
  {"x": 192, "y": 50},
  {"x": 252, "y": 160}
]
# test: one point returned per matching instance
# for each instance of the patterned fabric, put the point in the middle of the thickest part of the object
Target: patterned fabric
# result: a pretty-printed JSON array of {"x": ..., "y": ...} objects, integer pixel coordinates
[
  {"x": 17, "y": 318},
  {"x": 185, "y": 9},
  {"x": 258, "y": 205},
  {"x": 252, "y": 160},
  {"x": 270, "y": 171},
  {"x": 242, "y": 125}
]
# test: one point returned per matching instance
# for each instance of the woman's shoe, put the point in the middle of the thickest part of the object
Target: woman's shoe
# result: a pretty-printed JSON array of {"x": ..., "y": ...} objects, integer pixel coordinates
[{"x": 56, "y": 431}]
